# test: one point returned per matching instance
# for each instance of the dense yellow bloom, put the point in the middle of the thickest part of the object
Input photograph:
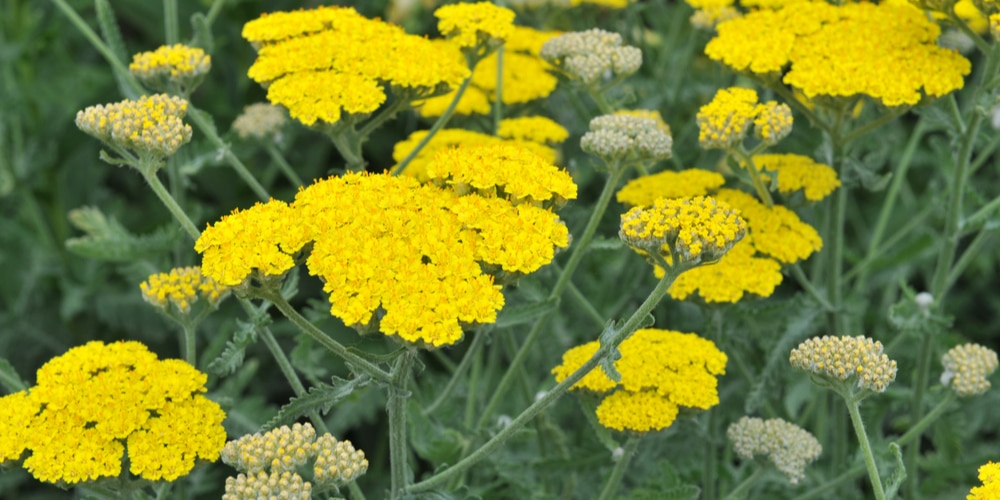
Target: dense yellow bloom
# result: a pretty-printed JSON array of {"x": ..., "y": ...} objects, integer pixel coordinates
[
  {"x": 989, "y": 475},
  {"x": 472, "y": 24},
  {"x": 662, "y": 368},
  {"x": 95, "y": 400},
  {"x": 858, "y": 359},
  {"x": 777, "y": 231},
  {"x": 526, "y": 77},
  {"x": 320, "y": 63},
  {"x": 260, "y": 121},
  {"x": 736, "y": 274},
  {"x": 473, "y": 102},
  {"x": 707, "y": 19},
  {"x": 532, "y": 129},
  {"x": 150, "y": 126},
  {"x": 178, "y": 64},
  {"x": 692, "y": 230},
  {"x": 790, "y": 447},
  {"x": 504, "y": 170},
  {"x": 453, "y": 138},
  {"x": 261, "y": 239},
  {"x": 966, "y": 368},
  {"x": 797, "y": 172},
  {"x": 726, "y": 119},
  {"x": 181, "y": 287},
  {"x": 528, "y": 40},
  {"x": 644, "y": 191},
  {"x": 883, "y": 51}
]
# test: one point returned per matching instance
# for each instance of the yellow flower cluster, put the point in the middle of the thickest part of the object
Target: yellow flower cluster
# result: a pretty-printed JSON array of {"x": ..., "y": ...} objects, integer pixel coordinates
[
  {"x": 286, "y": 450},
  {"x": 790, "y": 447},
  {"x": 691, "y": 230},
  {"x": 260, "y": 121},
  {"x": 538, "y": 129},
  {"x": 95, "y": 400},
  {"x": 661, "y": 370},
  {"x": 643, "y": 191},
  {"x": 966, "y": 368},
  {"x": 777, "y": 231},
  {"x": 322, "y": 62},
  {"x": 846, "y": 358},
  {"x": 710, "y": 17},
  {"x": 259, "y": 240},
  {"x": 726, "y": 119},
  {"x": 989, "y": 475},
  {"x": 737, "y": 273},
  {"x": 797, "y": 172},
  {"x": 475, "y": 24},
  {"x": 453, "y": 138},
  {"x": 178, "y": 64},
  {"x": 503, "y": 170},
  {"x": 150, "y": 126},
  {"x": 181, "y": 287},
  {"x": 886, "y": 52}
]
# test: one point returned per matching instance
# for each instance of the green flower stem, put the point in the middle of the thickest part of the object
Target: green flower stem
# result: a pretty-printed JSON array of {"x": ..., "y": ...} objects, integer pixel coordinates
[
  {"x": 823, "y": 490},
  {"x": 190, "y": 348},
  {"x": 386, "y": 113},
  {"x": 874, "y": 124},
  {"x": 398, "y": 395},
  {"x": 913, "y": 222},
  {"x": 630, "y": 326},
  {"x": 477, "y": 344},
  {"x": 498, "y": 103},
  {"x": 438, "y": 125},
  {"x": 286, "y": 169},
  {"x": 585, "y": 305},
  {"x": 356, "y": 493},
  {"x": 807, "y": 285},
  {"x": 799, "y": 106},
  {"x": 710, "y": 465},
  {"x": 213, "y": 11},
  {"x": 615, "y": 479},
  {"x": 564, "y": 278},
  {"x": 598, "y": 96},
  {"x": 206, "y": 127},
  {"x": 349, "y": 146},
  {"x": 914, "y": 432},
  {"x": 744, "y": 487},
  {"x": 171, "y": 29},
  {"x": 149, "y": 173},
  {"x": 866, "y": 447},
  {"x": 99, "y": 44},
  {"x": 970, "y": 253},
  {"x": 981, "y": 44},
  {"x": 985, "y": 154},
  {"x": 755, "y": 175}
]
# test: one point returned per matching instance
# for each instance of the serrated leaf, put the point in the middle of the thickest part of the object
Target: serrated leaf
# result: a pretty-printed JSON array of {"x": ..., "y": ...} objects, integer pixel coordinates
[
  {"x": 435, "y": 443},
  {"x": 898, "y": 475},
  {"x": 9, "y": 377},
  {"x": 112, "y": 36},
  {"x": 108, "y": 240},
  {"x": 202, "y": 32},
  {"x": 320, "y": 398},
  {"x": 777, "y": 360},
  {"x": 524, "y": 313},
  {"x": 607, "y": 338},
  {"x": 232, "y": 356}
]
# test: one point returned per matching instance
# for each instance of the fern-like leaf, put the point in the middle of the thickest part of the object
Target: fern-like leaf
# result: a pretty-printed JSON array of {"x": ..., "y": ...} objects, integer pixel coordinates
[
  {"x": 113, "y": 38},
  {"x": 799, "y": 325},
  {"x": 234, "y": 353},
  {"x": 320, "y": 398},
  {"x": 106, "y": 239}
]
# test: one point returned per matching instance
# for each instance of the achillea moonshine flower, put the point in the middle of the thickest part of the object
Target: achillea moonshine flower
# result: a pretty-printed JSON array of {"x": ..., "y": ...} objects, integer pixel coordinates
[
  {"x": 858, "y": 360},
  {"x": 181, "y": 287},
  {"x": 475, "y": 24},
  {"x": 736, "y": 274},
  {"x": 800, "y": 173},
  {"x": 592, "y": 55},
  {"x": 150, "y": 127},
  {"x": 171, "y": 67},
  {"x": 619, "y": 137},
  {"x": 707, "y": 19},
  {"x": 95, "y": 401},
  {"x": 503, "y": 170},
  {"x": 537, "y": 129},
  {"x": 252, "y": 486},
  {"x": 453, "y": 138},
  {"x": 777, "y": 231},
  {"x": 725, "y": 121},
  {"x": 843, "y": 51},
  {"x": 989, "y": 475},
  {"x": 260, "y": 121},
  {"x": 661, "y": 370},
  {"x": 772, "y": 123},
  {"x": 966, "y": 368},
  {"x": 690, "y": 230},
  {"x": 790, "y": 447},
  {"x": 643, "y": 191}
]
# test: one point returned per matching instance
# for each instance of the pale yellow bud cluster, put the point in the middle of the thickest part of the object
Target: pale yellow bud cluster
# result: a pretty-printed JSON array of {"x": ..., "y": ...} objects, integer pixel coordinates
[
  {"x": 181, "y": 287},
  {"x": 592, "y": 55},
  {"x": 614, "y": 137},
  {"x": 726, "y": 119},
  {"x": 966, "y": 368},
  {"x": 260, "y": 121},
  {"x": 337, "y": 462},
  {"x": 846, "y": 358},
  {"x": 772, "y": 123},
  {"x": 149, "y": 126},
  {"x": 790, "y": 447},
  {"x": 177, "y": 65},
  {"x": 276, "y": 485}
]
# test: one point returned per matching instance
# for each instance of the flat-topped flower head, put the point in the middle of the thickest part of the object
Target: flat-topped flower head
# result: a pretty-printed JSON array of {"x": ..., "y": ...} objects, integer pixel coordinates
[
  {"x": 472, "y": 25},
  {"x": 737, "y": 275},
  {"x": 989, "y": 475},
  {"x": 689, "y": 230},
  {"x": 726, "y": 119},
  {"x": 643, "y": 191},
  {"x": 966, "y": 368},
  {"x": 621, "y": 137},
  {"x": 253, "y": 486},
  {"x": 182, "y": 287},
  {"x": 258, "y": 242},
  {"x": 772, "y": 123},
  {"x": 150, "y": 127},
  {"x": 533, "y": 129},
  {"x": 777, "y": 231},
  {"x": 592, "y": 56},
  {"x": 174, "y": 68},
  {"x": 708, "y": 18},
  {"x": 503, "y": 170},
  {"x": 789, "y": 447},
  {"x": 800, "y": 173},
  {"x": 98, "y": 400},
  {"x": 661, "y": 371},
  {"x": 453, "y": 138},
  {"x": 858, "y": 360},
  {"x": 260, "y": 121},
  {"x": 844, "y": 50}
]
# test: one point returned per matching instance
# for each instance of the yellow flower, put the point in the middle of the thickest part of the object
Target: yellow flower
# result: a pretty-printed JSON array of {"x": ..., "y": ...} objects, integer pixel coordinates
[
  {"x": 843, "y": 51},
  {"x": 857, "y": 359},
  {"x": 797, "y": 172},
  {"x": 260, "y": 121},
  {"x": 181, "y": 287},
  {"x": 453, "y": 138},
  {"x": 505, "y": 170},
  {"x": 644, "y": 191},
  {"x": 708, "y": 18},
  {"x": 772, "y": 123},
  {"x": 692, "y": 230},
  {"x": 537, "y": 129},
  {"x": 474, "y": 101},
  {"x": 736, "y": 274},
  {"x": 725, "y": 121},
  {"x": 525, "y": 77},
  {"x": 96, "y": 399},
  {"x": 636, "y": 411},
  {"x": 989, "y": 475},
  {"x": 777, "y": 231},
  {"x": 261, "y": 239},
  {"x": 473, "y": 24},
  {"x": 151, "y": 126},
  {"x": 177, "y": 64}
]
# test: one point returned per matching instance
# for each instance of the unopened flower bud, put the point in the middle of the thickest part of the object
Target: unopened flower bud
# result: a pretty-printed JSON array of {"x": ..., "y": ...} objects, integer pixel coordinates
[
  {"x": 966, "y": 368},
  {"x": 790, "y": 447}
]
